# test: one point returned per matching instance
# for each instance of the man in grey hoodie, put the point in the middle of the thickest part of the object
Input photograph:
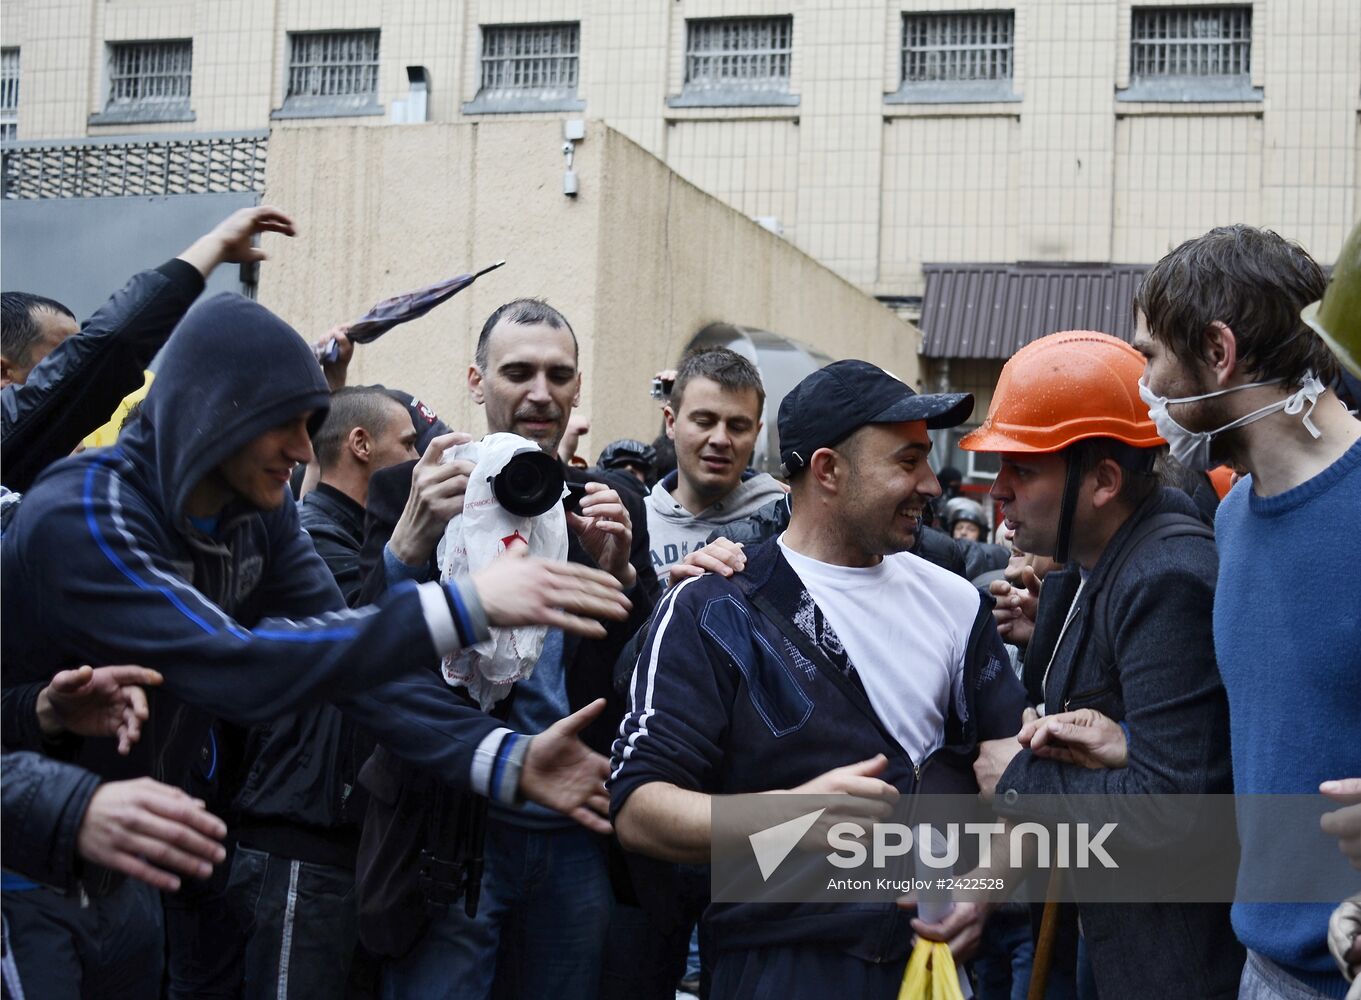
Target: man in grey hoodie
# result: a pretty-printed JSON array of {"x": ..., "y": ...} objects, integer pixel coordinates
[{"x": 714, "y": 417}]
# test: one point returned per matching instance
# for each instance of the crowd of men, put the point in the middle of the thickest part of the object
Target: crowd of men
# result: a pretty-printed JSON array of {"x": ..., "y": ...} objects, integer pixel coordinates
[{"x": 236, "y": 763}]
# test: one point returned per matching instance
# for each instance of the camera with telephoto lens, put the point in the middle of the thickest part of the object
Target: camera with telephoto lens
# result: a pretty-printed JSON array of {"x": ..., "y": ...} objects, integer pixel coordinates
[{"x": 531, "y": 484}]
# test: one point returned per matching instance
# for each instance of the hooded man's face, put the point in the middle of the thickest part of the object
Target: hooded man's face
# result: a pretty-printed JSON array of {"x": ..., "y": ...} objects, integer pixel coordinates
[
  {"x": 259, "y": 471},
  {"x": 531, "y": 383}
]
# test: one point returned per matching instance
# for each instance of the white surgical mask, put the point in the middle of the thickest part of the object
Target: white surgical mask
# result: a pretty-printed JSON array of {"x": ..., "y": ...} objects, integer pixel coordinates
[{"x": 1192, "y": 448}]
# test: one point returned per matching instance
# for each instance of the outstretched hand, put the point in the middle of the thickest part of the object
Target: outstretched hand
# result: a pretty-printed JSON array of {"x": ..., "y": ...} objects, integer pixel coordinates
[
  {"x": 107, "y": 701},
  {"x": 563, "y": 774},
  {"x": 231, "y": 241},
  {"x": 517, "y": 589},
  {"x": 148, "y": 830}
]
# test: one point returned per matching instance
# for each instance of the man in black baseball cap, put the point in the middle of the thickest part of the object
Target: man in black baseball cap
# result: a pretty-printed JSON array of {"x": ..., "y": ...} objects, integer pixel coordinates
[
  {"x": 841, "y": 587},
  {"x": 834, "y": 402}
]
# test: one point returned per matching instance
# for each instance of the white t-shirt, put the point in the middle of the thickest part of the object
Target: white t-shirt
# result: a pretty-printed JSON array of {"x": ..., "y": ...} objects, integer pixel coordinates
[{"x": 905, "y": 626}]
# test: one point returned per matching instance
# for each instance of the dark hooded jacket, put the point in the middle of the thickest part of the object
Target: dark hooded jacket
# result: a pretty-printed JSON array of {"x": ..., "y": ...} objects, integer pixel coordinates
[{"x": 103, "y": 565}]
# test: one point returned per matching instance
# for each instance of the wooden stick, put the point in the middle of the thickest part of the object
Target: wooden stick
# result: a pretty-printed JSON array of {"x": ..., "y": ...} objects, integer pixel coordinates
[{"x": 1044, "y": 945}]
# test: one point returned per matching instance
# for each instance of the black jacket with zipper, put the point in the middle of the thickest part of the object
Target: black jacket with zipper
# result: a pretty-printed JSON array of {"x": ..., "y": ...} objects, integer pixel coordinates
[
  {"x": 720, "y": 704},
  {"x": 300, "y": 796}
]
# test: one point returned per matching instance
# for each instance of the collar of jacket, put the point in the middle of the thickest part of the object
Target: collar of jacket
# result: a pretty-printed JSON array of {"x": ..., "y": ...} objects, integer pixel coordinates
[
  {"x": 1163, "y": 499},
  {"x": 337, "y": 506}
]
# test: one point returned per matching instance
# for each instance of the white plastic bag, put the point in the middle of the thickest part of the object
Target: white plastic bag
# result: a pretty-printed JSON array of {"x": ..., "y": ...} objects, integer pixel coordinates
[{"x": 476, "y": 537}]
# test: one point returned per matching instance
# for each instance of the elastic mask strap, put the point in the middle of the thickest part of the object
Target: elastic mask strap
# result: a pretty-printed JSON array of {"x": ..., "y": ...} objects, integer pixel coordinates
[
  {"x": 1071, "y": 483},
  {"x": 1221, "y": 392},
  {"x": 1294, "y": 404},
  {"x": 1309, "y": 393}
]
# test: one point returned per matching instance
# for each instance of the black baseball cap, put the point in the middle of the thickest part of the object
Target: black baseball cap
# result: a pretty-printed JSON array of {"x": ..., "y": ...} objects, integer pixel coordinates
[
  {"x": 423, "y": 419},
  {"x": 834, "y": 402}
]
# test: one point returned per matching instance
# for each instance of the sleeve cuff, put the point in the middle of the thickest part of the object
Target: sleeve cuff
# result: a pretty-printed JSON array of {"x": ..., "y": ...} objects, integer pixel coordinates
[
  {"x": 496, "y": 766},
  {"x": 453, "y": 615},
  {"x": 467, "y": 607},
  {"x": 397, "y": 571},
  {"x": 183, "y": 275}
]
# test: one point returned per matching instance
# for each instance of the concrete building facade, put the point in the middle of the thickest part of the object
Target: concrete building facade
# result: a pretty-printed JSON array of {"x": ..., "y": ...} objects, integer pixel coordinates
[
  {"x": 639, "y": 261},
  {"x": 885, "y": 138},
  {"x": 1070, "y": 157}
]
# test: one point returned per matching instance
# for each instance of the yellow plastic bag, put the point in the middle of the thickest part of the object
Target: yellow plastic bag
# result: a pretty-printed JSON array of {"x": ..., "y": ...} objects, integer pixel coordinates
[
  {"x": 931, "y": 973},
  {"x": 108, "y": 434}
]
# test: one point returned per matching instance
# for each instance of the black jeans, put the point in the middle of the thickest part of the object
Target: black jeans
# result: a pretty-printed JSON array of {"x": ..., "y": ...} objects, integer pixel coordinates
[
  {"x": 301, "y": 924},
  {"x": 112, "y": 947}
]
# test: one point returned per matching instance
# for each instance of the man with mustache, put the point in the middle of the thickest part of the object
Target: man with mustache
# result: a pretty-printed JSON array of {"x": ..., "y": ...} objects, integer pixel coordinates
[{"x": 545, "y": 894}]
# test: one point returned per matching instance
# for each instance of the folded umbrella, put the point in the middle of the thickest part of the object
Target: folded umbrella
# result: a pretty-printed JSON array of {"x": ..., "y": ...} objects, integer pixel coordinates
[{"x": 401, "y": 309}]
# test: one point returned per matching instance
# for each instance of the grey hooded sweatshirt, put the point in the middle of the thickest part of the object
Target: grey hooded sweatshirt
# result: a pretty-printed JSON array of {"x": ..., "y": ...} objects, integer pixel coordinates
[{"x": 674, "y": 532}]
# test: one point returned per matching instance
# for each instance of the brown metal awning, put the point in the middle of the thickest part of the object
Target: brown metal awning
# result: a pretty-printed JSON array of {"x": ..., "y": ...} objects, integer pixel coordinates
[{"x": 993, "y": 310}]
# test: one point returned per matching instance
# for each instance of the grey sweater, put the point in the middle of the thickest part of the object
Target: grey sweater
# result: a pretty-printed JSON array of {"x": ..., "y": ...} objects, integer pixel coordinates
[{"x": 674, "y": 532}]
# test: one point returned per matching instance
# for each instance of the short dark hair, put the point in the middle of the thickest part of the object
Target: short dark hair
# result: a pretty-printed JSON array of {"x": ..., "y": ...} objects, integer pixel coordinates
[
  {"x": 1139, "y": 465},
  {"x": 353, "y": 406},
  {"x": 1253, "y": 281},
  {"x": 18, "y": 328},
  {"x": 718, "y": 364},
  {"x": 524, "y": 312},
  {"x": 666, "y": 456}
]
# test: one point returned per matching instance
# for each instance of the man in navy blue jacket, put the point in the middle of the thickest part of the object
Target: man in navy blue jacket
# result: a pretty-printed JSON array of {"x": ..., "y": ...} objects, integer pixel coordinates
[
  {"x": 179, "y": 549},
  {"x": 906, "y": 674}
]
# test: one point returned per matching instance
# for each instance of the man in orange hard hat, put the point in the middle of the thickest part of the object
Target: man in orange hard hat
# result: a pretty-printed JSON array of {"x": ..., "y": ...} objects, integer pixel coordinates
[{"x": 1122, "y": 639}]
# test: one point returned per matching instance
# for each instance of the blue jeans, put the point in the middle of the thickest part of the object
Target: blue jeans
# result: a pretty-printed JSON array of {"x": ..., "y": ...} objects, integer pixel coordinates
[
  {"x": 540, "y": 926},
  {"x": 301, "y": 923},
  {"x": 1005, "y": 956},
  {"x": 1264, "y": 980}
]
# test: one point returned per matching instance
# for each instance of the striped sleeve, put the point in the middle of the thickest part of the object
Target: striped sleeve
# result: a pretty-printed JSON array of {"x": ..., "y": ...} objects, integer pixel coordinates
[{"x": 679, "y": 702}]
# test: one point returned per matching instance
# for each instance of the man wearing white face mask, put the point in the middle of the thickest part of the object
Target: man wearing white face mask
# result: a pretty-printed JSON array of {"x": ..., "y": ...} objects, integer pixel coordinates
[{"x": 1233, "y": 374}]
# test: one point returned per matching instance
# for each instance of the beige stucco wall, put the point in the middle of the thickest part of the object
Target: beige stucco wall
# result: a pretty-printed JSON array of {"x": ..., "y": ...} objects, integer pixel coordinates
[
  {"x": 873, "y": 190},
  {"x": 639, "y": 261}
]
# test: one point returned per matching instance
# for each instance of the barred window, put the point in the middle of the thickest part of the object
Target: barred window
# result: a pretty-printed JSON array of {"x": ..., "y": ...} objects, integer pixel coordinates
[
  {"x": 751, "y": 53},
  {"x": 1205, "y": 42},
  {"x": 150, "y": 76},
  {"x": 958, "y": 47},
  {"x": 333, "y": 68},
  {"x": 9, "y": 94},
  {"x": 530, "y": 60}
]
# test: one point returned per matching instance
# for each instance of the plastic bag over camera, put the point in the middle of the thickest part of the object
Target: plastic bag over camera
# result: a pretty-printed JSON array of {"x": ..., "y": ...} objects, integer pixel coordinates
[{"x": 476, "y": 537}]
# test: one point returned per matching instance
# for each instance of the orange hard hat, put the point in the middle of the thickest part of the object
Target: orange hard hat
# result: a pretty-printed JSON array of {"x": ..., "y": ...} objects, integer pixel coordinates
[
  {"x": 1064, "y": 388},
  {"x": 1221, "y": 478}
]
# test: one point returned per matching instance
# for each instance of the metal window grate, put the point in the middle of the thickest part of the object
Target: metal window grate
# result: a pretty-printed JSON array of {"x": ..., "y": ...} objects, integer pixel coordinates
[
  {"x": 145, "y": 74},
  {"x": 333, "y": 64},
  {"x": 104, "y": 169},
  {"x": 538, "y": 59},
  {"x": 1191, "y": 42},
  {"x": 9, "y": 94},
  {"x": 751, "y": 53},
  {"x": 958, "y": 46}
]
